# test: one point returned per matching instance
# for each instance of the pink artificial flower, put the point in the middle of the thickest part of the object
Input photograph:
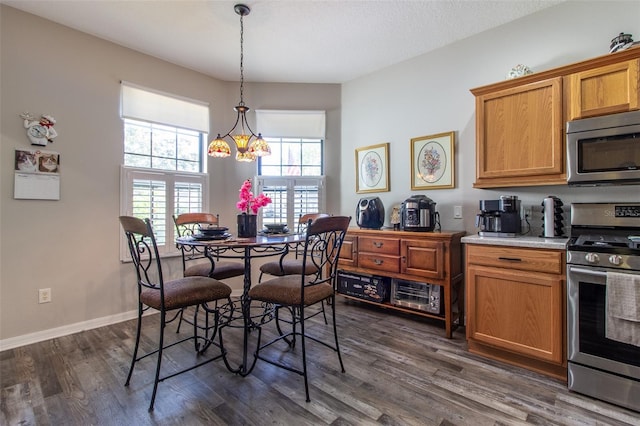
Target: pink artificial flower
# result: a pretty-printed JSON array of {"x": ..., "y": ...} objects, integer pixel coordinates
[{"x": 248, "y": 202}]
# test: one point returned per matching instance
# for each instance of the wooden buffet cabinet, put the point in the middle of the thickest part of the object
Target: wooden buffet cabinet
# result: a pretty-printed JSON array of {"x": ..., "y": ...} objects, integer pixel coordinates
[
  {"x": 516, "y": 306},
  {"x": 520, "y": 123},
  {"x": 427, "y": 257}
]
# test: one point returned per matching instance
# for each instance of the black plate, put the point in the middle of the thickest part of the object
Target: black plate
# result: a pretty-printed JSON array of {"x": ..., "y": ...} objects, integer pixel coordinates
[
  {"x": 275, "y": 230},
  {"x": 214, "y": 231},
  {"x": 203, "y": 237}
]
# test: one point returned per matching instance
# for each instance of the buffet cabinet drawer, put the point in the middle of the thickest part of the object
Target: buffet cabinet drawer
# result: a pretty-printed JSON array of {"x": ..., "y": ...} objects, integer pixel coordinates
[
  {"x": 379, "y": 262},
  {"x": 526, "y": 259},
  {"x": 379, "y": 245}
]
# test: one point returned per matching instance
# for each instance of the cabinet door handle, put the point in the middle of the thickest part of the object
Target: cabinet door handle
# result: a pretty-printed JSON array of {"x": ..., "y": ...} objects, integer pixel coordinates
[
  {"x": 510, "y": 259},
  {"x": 378, "y": 261},
  {"x": 378, "y": 244}
]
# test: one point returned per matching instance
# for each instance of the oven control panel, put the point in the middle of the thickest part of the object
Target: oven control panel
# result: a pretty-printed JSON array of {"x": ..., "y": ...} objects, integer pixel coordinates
[{"x": 603, "y": 260}]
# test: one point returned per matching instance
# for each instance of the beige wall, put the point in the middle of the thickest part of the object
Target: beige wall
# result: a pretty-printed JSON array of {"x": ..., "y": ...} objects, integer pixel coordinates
[
  {"x": 71, "y": 245},
  {"x": 430, "y": 94}
]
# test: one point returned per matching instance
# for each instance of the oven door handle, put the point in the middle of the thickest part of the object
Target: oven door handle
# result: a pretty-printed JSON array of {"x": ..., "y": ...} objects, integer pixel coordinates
[{"x": 587, "y": 271}]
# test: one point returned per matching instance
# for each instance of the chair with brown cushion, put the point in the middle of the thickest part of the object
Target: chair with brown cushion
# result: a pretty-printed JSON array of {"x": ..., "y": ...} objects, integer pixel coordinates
[
  {"x": 284, "y": 265},
  {"x": 321, "y": 249},
  {"x": 200, "y": 293},
  {"x": 194, "y": 261}
]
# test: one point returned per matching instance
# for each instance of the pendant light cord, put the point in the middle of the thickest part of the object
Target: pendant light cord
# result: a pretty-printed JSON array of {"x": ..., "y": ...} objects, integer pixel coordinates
[{"x": 241, "y": 59}]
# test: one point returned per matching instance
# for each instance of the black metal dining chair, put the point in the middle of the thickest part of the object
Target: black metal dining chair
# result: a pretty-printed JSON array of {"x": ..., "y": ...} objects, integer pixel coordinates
[
  {"x": 285, "y": 265},
  {"x": 188, "y": 224},
  {"x": 322, "y": 245},
  {"x": 194, "y": 261},
  {"x": 203, "y": 294}
]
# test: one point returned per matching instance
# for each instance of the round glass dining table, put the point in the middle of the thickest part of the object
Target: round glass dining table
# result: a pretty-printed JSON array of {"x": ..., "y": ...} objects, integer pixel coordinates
[{"x": 263, "y": 245}]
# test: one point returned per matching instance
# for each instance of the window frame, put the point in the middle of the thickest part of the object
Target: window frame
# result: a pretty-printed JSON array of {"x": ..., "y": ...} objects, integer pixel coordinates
[{"x": 146, "y": 107}]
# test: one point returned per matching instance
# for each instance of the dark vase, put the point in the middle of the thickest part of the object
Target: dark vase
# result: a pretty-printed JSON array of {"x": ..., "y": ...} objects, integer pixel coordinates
[{"x": 247, "y": 225}]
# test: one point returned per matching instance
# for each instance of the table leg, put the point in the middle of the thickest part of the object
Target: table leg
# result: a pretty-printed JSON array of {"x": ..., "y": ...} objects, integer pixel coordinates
[{"x": 245, "y": 304}]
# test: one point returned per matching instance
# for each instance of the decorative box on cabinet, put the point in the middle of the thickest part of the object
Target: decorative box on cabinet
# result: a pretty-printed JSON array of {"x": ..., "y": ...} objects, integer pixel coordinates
[
  {"x": 516, "y": 306},
  {"x": 428, "y": 257}
]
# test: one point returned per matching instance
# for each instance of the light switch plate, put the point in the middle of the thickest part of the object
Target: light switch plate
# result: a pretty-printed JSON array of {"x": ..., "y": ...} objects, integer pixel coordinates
[{"x": 457, "y": 212}]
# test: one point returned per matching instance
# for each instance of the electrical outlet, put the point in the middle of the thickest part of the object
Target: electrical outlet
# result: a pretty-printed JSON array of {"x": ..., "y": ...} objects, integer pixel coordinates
[
  {"x": 457, "y": 212},
  {"x": 44, "y": 295},
  {"x": 526, "y": 212}
]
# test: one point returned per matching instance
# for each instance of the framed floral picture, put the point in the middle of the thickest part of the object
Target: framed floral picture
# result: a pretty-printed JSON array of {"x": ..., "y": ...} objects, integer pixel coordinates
[
  {"x": 372, "y": 168},
  {"x": 432, "y": 161}
]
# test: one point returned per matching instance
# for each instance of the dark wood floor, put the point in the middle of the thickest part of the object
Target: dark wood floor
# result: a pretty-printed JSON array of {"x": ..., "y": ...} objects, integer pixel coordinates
[{"x": 400, "y": 371}]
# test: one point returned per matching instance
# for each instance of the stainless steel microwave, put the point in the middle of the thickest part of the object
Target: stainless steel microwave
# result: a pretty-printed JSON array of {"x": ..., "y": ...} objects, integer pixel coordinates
[{"x": 604, "y": 150}]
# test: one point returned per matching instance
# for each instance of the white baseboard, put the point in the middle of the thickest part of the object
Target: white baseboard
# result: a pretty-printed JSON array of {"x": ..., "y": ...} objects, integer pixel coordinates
[
  {"x": 65, "y": 330},
  {"x": 52, "y": 333}
]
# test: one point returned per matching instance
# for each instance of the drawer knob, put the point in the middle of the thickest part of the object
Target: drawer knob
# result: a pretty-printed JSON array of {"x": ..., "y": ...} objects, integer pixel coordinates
[
  {"x": 378, "y": 244},
  {"x": 378, "y": 261}
]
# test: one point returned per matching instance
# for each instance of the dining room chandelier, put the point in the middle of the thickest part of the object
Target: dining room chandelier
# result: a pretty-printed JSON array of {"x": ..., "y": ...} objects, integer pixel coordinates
[{"x": 248, "y": 145}]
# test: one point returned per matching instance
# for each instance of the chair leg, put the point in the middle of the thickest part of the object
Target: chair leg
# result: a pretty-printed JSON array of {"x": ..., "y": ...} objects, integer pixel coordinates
[
  {"x": 135, "y": 349},
  {"x": 304, "y": 353},
  {"x": 160, "y": 347},
  {"x": 291, "y": 342},
  {"x": 335, "y": 331},
  {"x": 324, "y": 314},
  {"x": 180, "y": 320},
  {"x": 196, "y": 343}
]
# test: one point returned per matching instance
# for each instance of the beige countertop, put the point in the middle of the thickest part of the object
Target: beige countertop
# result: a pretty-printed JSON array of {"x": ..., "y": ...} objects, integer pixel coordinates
[{"x": 520, "y": 241}]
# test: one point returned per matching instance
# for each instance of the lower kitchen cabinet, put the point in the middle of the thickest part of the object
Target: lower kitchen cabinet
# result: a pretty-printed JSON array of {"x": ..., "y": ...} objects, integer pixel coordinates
[
  {"x": 433, "y": 258},
  {"x": 516, "y": 306}
]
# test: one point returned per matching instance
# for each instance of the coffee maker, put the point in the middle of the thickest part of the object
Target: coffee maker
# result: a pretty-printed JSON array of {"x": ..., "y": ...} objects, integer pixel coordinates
[{"x": 499, "y": 218}]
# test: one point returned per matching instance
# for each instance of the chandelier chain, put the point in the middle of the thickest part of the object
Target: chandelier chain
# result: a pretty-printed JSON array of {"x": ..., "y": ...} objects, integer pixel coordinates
[{"x": 241, "y": 59}]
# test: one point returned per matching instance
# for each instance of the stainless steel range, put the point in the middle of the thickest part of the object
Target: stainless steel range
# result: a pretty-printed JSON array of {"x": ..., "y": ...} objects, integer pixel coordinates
[{"x": 603, "y": 310}]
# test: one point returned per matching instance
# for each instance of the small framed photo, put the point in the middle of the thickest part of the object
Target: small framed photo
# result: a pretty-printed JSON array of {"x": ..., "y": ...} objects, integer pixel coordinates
[
  {"x": 432, "y": 161},
  {"x": 372, "y": 168}
]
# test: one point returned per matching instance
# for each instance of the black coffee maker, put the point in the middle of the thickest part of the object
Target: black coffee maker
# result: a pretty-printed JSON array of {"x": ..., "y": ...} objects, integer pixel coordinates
[{"x": 499, "y": 218}]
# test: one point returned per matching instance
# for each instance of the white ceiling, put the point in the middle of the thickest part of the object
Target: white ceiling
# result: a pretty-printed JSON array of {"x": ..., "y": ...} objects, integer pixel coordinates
[{"x": 289, "y": 41}]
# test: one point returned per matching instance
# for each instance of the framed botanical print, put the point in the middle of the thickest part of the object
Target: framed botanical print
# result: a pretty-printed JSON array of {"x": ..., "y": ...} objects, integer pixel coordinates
[
  {"x": 432, "y": 161},
  {"x": 372, "y": 168}
]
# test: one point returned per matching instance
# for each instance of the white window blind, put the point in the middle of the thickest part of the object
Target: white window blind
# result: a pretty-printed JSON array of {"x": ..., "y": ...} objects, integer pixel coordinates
[
  {"x": 145, "y": 104},
  {"x": 290, "y": 198},
  {"x": 283, "y": 123},
  {"x": 158, "y": 196}
]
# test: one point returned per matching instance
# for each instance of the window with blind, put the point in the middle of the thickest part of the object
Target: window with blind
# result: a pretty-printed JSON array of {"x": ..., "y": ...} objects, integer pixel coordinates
[
  {"x": 163, "y": 170},
  {"x": 293, "y": 174},
  {"x": 158, "y": 196},
  {"x": 291, "y": 197}
]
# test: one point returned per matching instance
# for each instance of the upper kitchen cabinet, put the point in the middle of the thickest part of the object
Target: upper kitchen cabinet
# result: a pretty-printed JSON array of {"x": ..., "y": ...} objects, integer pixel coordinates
[
  {"x": 604, "y": 90},
  {"x": 521, "y": 123},
  {"x": 519, "y": 137}
]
